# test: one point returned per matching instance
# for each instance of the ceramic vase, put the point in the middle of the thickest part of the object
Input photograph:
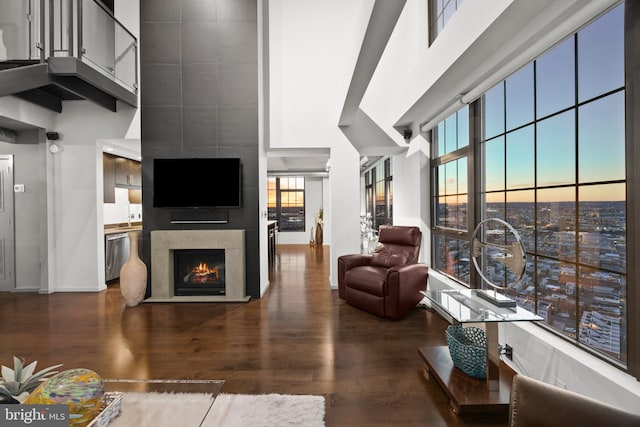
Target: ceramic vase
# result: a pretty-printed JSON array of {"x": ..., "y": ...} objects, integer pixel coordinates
[
  {"x": 319, "y": 234},
  {"x": 133, "y": 274}
]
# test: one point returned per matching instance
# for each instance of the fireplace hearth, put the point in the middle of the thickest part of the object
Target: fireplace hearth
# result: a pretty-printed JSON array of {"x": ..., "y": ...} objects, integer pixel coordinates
[{"x": 199, "y": 272}]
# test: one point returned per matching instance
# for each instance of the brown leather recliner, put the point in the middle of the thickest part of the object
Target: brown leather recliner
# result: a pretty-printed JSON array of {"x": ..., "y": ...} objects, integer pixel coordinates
[
  {"x": 387, "y": 283},
  {"x": 537, "y": 404}
]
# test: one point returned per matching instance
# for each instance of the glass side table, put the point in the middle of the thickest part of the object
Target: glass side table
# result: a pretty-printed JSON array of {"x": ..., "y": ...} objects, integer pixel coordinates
[{"x": 469, "y": 394}]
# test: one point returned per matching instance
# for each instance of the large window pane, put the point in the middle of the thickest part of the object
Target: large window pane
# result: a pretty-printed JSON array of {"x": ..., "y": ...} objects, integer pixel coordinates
[
  {"x": 452, "y": 178},
  {"x": 439, "y": 139},
  {"x": 520, "y": 158},
  {"x": 519, "y": 96},
  {"x": 556, "y": 150},
  {"x": 442, "y": 179},
  {"x": 494, "y": 205},
  {"x": 462, "y": 175},
  {"x": 286, "y": 202},
  {"x": 601, "y": 139},
  {"x": 493, "y": 112},
  {"x": 463, "y": 127},
  {"x": 603, "y": 313},
  {"x": 603, "y": 226},
  {"x": 520, "y": 214},
  {"x": 555, "y": 79},
  {"x": 452, "y": 257},
  {"x": 271, "y": 199},
  {"x": 556, "y": 285},
  {"x": 441, "y": 211},
  {"x": 451, "y": 134},
  {"x": 601, "y": 55},
  {"x": 556, "y": 223},
  {"x": 524, "y": 292},
  {"x": 494, "y": 164}
]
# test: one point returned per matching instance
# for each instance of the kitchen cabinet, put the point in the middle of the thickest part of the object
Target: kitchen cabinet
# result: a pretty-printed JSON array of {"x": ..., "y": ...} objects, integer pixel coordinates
[
  {"x": 109, "y": 178},
  {"x": 120, "y": 172},
  {"x": 128, "y": 173}
]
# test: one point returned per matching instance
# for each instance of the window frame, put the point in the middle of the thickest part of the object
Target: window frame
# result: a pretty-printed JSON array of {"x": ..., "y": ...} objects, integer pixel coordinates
[
  {"x": 435, "y": 13},
  {"x": 278, "y": 208},
  {"x": 631, "y": 90},
  {"x": 371, "y": 181}
]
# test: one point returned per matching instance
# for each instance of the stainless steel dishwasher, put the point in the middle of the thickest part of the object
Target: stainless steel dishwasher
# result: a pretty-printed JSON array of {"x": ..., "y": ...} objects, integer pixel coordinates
[{"x": 116, "y": 254}]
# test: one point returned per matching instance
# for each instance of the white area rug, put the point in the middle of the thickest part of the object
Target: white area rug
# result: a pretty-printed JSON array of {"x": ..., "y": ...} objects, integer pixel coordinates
[{"x": 228, "y": 410}]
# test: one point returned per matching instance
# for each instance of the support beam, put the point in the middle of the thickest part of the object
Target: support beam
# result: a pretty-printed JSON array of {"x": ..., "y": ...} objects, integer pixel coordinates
[{"x": 384, "y": 17}]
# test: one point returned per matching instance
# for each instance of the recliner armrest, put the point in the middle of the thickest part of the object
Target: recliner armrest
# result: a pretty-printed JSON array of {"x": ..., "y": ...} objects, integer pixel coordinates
[
  {"x": 346, "y": 263},
  {"x": 355, "y": 260},
  {"x": 403, "y": 286}
]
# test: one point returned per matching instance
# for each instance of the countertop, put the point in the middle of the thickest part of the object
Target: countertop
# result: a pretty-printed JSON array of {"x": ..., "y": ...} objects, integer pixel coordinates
[{"x": 122, "y": 228}]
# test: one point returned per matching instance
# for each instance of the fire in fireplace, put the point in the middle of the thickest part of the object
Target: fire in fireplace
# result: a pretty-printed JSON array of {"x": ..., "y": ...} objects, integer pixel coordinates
[{"x": 199, "y": 272}]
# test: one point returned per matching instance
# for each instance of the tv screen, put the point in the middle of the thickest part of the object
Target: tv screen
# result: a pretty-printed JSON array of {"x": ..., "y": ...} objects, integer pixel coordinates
[{"x": 197, "y": 183}]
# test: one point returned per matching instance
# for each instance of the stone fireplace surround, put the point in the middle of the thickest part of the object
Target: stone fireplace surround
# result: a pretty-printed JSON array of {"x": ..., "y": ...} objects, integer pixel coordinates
[{"x": 164, "y": 242}]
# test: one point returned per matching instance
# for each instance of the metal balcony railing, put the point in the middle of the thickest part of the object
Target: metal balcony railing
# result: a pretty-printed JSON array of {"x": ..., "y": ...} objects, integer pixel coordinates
[{"x": 36, "y": 30}]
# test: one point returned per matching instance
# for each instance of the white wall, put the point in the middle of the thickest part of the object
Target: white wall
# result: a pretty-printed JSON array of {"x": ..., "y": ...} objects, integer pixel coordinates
[
  {"x": 411, "y": 195},
  {"x": 312, "y": 53},
  {"x": 76, "y": 184},
  {"x": 31, "y": 207}
]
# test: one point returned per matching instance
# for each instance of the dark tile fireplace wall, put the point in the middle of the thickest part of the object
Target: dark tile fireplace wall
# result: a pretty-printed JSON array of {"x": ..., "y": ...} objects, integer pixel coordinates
[{"x": 199, "y": 98}]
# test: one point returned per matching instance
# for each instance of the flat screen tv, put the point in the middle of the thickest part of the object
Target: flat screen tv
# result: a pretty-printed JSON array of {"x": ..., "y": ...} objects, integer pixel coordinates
[{"x": 197, "y": 183}]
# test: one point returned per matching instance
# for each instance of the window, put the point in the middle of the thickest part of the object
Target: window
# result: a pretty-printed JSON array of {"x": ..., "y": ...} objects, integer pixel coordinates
[
  {"x": 440, "y": 11},
  {"x": 451, "y": 154},
  {"x": 379, "y": 193},
  {"x": 285, "y": 202},
  {"x": 550, "y": 154}
]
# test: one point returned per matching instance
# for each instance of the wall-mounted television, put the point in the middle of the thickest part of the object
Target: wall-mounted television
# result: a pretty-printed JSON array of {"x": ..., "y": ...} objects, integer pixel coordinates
[{"x": 197, "y": 183}]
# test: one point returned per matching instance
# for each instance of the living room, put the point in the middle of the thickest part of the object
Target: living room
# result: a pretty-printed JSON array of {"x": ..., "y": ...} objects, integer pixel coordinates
[{"x": 309, "y": 88}]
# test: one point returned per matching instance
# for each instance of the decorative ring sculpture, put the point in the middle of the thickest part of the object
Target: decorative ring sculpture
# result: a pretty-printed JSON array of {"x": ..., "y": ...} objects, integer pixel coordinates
[{"x": 512, "y": 256}]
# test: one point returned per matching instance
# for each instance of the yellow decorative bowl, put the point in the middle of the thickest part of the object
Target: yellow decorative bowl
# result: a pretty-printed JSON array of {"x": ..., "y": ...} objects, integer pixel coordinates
[{"x": 81, "y": 389}]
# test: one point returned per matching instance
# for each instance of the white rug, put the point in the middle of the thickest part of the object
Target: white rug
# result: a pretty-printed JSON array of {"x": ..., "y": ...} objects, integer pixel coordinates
[{"x": 228, "y": 410}]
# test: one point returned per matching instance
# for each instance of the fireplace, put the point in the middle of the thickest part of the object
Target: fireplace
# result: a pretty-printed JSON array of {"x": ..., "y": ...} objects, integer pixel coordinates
[
  {"x": 164, "y": 244},
  {"x": 199, "y": 272}
]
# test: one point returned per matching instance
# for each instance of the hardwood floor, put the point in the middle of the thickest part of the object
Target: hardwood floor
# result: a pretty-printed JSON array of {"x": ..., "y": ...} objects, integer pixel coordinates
[{"x": 300, "y": 338}]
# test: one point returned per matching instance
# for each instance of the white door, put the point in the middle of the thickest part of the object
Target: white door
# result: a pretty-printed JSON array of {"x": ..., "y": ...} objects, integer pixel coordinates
[{"x": 7, "y": 235}]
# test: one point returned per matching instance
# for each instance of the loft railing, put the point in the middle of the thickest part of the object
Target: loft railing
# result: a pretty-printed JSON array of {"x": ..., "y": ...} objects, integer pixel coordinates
[
  {"x": 19, "y": 33},
  {"x": 88, "y": 31},
  {"x": 84, "y": 29}
]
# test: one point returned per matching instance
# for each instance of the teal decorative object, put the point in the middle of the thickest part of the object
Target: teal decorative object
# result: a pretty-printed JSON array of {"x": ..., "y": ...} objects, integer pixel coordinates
[{"x": 468, "y": 349}]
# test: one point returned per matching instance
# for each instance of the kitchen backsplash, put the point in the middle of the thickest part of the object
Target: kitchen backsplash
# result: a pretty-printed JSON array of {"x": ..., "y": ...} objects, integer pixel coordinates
[{"x": 122, "y": 211}]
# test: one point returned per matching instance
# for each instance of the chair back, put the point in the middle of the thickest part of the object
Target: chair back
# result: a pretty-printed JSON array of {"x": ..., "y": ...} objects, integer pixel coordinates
[
  {"x": 397, "y": 245},
  {"x": 537, "y": 404}
]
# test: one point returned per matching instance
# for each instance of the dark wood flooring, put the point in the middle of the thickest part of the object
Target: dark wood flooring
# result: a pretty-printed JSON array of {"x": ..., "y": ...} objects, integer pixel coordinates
[{"x": 300, "y": 338}]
